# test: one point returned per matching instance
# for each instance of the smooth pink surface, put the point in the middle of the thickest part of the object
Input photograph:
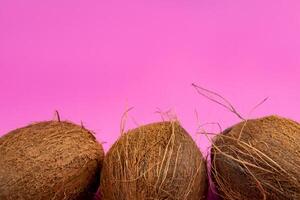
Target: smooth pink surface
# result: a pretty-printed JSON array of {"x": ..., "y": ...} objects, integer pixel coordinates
[{"x": 90, "y": 60}]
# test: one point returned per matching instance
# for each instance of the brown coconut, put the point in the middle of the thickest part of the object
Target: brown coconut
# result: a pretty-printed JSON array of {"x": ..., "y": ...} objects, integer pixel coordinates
[
  {"x": 258, "y": 159},
  {"x": 156, "y": 161},
  {"x": 49, "y": 160}
]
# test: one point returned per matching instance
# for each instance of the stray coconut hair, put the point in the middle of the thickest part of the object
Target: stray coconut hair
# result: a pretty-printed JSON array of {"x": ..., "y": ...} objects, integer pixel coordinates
[
  {"x": 255, "y": 159},
  {"x": 50, "y": 160},
  {"x": 155, "y": 161}
]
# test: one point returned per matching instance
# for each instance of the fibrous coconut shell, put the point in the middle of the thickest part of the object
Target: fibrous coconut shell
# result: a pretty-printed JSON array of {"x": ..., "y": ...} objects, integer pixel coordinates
[
  {"x": 258, "y": 159},
  {"x": 49, "y": 160},
  {"x": 156, "y": 161}
]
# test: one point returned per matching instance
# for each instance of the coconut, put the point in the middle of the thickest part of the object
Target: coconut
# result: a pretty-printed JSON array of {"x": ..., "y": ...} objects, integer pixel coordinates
[
  {"x": 155, "y": 161},
  {"x": 49, "y": 160},
  {"x": 258, "y": 159}
]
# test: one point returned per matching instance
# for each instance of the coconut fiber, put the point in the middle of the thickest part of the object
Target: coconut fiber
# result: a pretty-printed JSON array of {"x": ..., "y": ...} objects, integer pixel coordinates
[
  {"x": 258, "y": 159},
  {"x": 155, "y": 161},
  {"x": 49, "y": 160}
]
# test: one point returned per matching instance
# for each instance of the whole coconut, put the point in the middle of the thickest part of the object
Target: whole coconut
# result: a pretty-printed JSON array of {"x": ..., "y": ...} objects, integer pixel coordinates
[
  {"x": 155, "y": 161},
  {"x": 49, "y": 160},
  {"x": 258, "y": 159}
]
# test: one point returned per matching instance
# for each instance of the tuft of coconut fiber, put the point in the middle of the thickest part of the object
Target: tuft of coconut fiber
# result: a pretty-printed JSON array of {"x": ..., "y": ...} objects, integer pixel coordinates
[
  {"x": 258, "y": 159},
  {"x": 49, "y": 160},
  {"x": 156, "y": 161}
]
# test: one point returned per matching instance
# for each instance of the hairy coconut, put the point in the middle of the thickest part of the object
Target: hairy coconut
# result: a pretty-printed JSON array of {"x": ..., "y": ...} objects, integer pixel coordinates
[
  {"x": 49, "y": 160},
  {"x": 258, "y": 159},
  {"x": 155, "y": 161}
]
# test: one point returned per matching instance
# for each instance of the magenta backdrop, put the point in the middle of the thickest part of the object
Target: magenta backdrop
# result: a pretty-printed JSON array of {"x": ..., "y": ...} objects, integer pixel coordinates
[{"x": 90, "y": 60}]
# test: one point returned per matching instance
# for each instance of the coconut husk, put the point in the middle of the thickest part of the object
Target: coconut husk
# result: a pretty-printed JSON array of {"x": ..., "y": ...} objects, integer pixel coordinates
[
  {"x": 49, "y": 160},
  {"x": 258, "y": 159},
  {"x": 155, "y": 161}
]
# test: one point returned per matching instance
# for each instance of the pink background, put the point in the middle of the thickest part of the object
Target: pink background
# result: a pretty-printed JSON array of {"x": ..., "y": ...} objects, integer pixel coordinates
[{"x": 90, "y": 60}]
